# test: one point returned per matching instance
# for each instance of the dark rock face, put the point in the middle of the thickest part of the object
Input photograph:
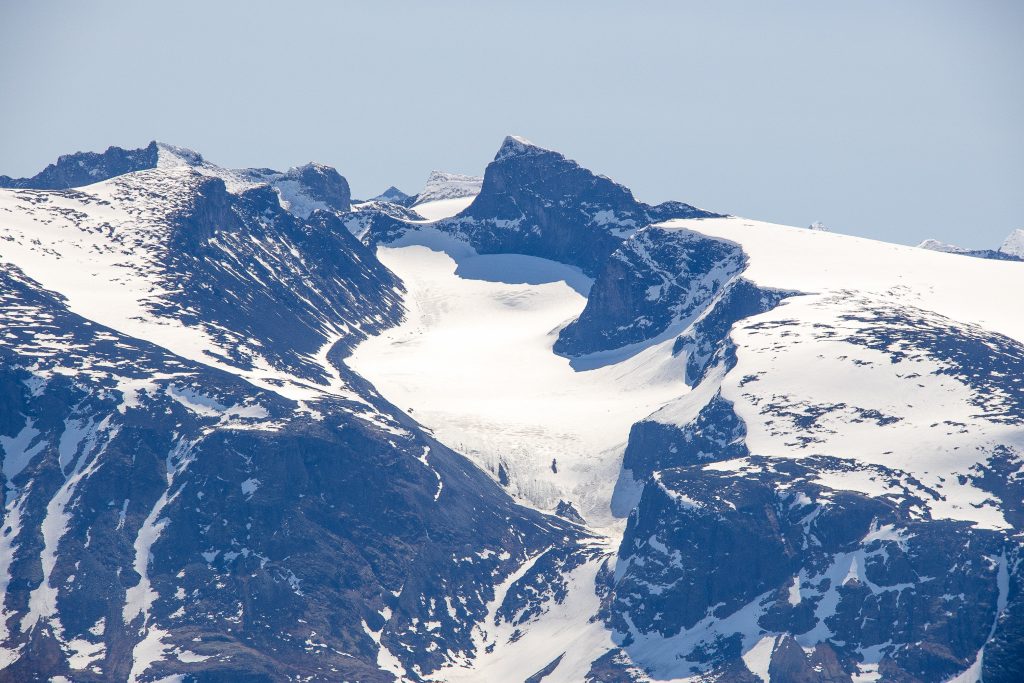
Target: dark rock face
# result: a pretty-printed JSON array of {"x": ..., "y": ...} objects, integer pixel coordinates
[
  {"x": 85, "y": 168},
  {"x": 567, "y": 510},
  {"x": 615, "y": 667},
  {"x": 536, "y": 202},
  {"x": 379, "y": 222},
  {"x": 166, "y": 505},
  {"x": 539, "y": 203},
  {"x": 1004, "y": 656},
  {"x": 993, "y": 254},
  {"x": 859, "y": 579},
  {"x": 269, "y": 275},
  {"x": 707, "y": 343},
  {"x": 672, "y": 276},
  {"x": 789, "y": 662},
  {"x": 546, "y": 671},
  {"x": 716, "y": 434}
]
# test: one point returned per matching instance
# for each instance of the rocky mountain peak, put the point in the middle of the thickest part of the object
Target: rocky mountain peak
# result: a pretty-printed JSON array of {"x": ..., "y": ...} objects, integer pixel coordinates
[
  {"x": 392, "y": 195},
  {"x": 515, "y": 145},
  {"x": 313, "y": 186},
  {"x": 86, "y": 168},
  {"x": 170, "y": 156}
]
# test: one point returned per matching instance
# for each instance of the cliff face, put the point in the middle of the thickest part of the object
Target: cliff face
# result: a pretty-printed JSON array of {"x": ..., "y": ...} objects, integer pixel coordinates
[
  {"x": 536, "y": 202},
  {"x": 779, "y": 552}
]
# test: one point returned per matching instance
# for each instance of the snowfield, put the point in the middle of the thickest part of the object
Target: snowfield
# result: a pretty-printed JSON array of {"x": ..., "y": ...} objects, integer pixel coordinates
[
  {"x": 472, "y": 361},
  {"x": 442, "y": 208},
  {"x": 979, "y": 291}
]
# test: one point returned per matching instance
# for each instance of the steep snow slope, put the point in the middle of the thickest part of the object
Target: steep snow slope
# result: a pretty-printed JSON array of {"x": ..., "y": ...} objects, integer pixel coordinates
[{"x": 169, "y": 256}]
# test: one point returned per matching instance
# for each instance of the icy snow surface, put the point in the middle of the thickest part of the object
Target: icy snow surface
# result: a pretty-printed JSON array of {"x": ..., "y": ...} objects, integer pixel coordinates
[
  {"x": 443, "y": 208},
  {"x": 473, "y": 362}
]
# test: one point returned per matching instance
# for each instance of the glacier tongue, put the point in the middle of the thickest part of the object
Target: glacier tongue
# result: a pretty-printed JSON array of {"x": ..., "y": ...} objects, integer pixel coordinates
[{"x": 473, "y": 361}]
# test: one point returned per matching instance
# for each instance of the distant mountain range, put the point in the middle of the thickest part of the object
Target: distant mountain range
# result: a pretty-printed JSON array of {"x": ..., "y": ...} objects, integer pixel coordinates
[
  {"x": 519, "y": 428},
  {"x": 1012, "y": 248}
]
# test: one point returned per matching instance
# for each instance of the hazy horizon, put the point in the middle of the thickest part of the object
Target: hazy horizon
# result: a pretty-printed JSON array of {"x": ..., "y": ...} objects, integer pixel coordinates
[{"x": 896, "y": 122}]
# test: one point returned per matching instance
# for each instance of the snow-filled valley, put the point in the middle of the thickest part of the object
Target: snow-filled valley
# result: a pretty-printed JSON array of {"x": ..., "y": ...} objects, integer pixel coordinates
[
  {"x": 519, "y": 428},
  {"x": 473, "y": 362}
]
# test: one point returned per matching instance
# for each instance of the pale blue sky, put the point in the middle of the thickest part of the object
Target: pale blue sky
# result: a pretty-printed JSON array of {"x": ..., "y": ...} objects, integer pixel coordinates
[{"x": 894, "y": 120}]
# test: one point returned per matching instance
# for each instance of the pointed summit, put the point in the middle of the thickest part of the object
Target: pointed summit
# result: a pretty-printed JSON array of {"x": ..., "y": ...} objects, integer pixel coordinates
[
  {"x": 171, "y": 156},
  {"x": 537, "y": 202},
  {"x": 392, "y": 195},
  {"x": 515, "y": 145},
  {"x": 1014, "y": 244}
]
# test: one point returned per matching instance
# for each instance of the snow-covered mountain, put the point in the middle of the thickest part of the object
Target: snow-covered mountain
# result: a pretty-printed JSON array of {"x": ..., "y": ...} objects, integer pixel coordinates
[
  {"x": 536, "y": 432},
  {"x": 1014, "y": 244},
  {"x": 393, "y": 195},
  {"x": 446, "y": 185}
]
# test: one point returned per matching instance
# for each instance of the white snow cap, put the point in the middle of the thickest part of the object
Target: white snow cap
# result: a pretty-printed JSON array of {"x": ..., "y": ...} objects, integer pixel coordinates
[
  {"x": 515, "y": 145},
  {"x": 1014, "y": 244},
  {"x": 936, "y": 245},
  {"x": 445, "y": 185},
  {"x": 171, "y": 156}
]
